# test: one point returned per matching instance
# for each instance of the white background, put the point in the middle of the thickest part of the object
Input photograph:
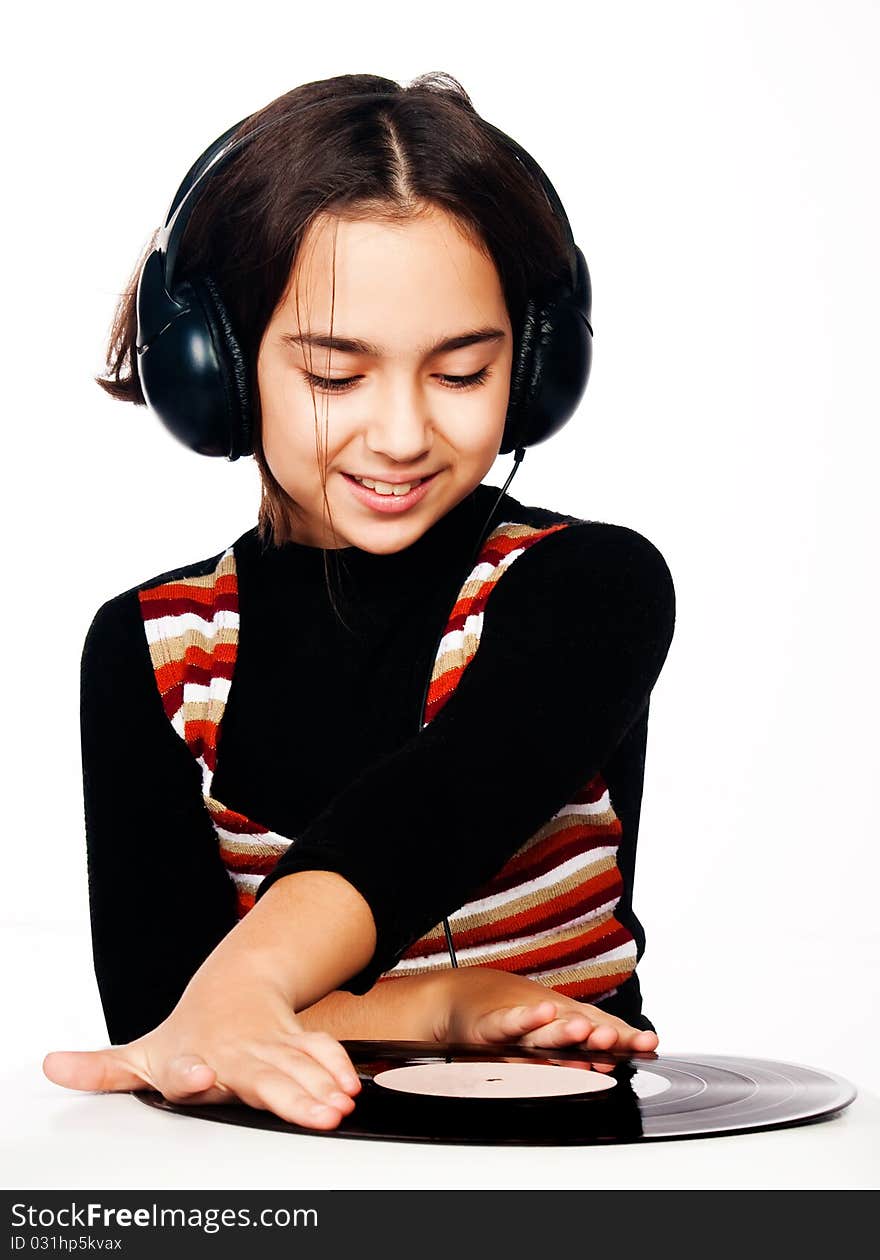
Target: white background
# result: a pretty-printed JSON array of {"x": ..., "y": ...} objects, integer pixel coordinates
[{"x": 718, "y": 164}]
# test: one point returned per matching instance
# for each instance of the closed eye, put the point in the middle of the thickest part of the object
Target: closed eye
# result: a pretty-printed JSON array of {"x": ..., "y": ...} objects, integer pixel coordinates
[{"x": 336, "y": 385}]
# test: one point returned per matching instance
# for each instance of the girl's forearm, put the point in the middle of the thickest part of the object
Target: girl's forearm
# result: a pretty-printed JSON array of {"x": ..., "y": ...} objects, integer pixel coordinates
[
  {"x": 310, "y": 932},
  {"x": 407, "y": 1008}
]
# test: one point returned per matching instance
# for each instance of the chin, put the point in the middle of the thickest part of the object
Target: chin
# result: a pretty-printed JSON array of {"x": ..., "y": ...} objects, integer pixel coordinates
[{"x": 386, "y": 541}]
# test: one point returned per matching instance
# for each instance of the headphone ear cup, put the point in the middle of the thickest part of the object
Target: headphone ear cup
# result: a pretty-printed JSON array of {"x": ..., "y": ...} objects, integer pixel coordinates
[
  {"x": 521, "y": 375},
  {"x": 550, "y": 375},
  {"x": 189, "y": 364},
  {"x": 233, "y": 427},
  {"x": 552, "y": 367}
]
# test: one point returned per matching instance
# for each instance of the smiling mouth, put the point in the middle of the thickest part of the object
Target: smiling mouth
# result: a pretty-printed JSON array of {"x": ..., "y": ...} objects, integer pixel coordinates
[
  {"x": 389, "y": 489},
  {"x": 391, "y": 499}
]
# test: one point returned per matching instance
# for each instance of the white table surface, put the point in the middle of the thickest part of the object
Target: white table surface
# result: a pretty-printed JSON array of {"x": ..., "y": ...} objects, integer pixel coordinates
[{"x": 55, "y": 1138}]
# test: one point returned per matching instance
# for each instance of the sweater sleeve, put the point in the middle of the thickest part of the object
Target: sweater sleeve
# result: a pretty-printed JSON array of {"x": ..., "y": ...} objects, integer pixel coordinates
[
  {"x": 159, "y": 896},
  {"x": 574, "y": 637}
]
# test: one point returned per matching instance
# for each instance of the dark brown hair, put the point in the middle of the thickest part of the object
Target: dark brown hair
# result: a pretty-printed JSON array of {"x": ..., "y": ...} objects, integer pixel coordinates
[{"x": 420, "y": 146}]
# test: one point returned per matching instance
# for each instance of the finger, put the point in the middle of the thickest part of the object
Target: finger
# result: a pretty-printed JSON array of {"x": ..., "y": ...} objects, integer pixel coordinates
[
  {"x": 603, "y": 1037},
  {"x": 272, "y": 1090},
  {"x": 101, "y": 1070},
  {"x": 509, "y": 1023},
  {"x": 299, "y": 1066},
  {"x": 566, "y": 1031},
  {"x": 188, "y": 1075},
  {"x": 328, "y": 1052},
  {"x": 609, "y": 1036},
  {"x": 295, "y": 1060},
  {"x": 629, "y": 1038},
  {"x": 522, "y": 1019}
]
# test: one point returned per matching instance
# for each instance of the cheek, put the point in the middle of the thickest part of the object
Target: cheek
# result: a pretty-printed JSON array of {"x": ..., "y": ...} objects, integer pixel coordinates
[
  {"x": 282, "y": 408},
  {"x": 288, "y": 439},
  {"x": 288, "y": 418},
  {"x": 297, "y": 446},
  {"x": 499, "y": 393},
  {"x": 476, "y": 424}
]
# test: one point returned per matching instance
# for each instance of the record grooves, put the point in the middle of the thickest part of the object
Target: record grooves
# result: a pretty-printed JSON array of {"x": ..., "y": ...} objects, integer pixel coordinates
[{"x": 641, "y": 1097}]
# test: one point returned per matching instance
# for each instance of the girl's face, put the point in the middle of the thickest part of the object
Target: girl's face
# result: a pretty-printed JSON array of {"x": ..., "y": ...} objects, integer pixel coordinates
[{"x": 413, "y": 383}]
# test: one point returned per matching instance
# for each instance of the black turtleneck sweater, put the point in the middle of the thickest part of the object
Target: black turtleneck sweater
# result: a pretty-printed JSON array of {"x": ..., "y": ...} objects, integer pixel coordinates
[{"x": 320, "y": 739}]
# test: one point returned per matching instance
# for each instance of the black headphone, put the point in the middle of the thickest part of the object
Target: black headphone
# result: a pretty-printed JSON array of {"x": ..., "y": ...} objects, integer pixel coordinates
[{"x": 193, "y": 373}]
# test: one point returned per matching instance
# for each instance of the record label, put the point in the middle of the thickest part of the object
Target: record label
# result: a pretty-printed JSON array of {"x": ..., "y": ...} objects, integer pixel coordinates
[{"x": 492, "y": 1080}]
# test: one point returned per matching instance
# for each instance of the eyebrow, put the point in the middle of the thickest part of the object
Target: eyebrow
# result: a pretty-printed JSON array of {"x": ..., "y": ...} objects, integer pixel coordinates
[{"x": 354, "y": 345}]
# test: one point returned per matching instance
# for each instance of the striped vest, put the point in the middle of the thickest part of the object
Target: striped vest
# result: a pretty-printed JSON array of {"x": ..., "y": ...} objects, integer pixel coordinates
[{"x": 547, "y": 914}]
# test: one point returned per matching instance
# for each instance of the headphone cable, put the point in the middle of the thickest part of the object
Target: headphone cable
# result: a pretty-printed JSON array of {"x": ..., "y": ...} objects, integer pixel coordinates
[{"x": 519, "y": 454}]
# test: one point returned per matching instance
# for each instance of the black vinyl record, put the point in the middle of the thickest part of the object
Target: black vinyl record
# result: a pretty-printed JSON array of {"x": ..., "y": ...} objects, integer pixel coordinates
[{"x": 577, "y": 1097}]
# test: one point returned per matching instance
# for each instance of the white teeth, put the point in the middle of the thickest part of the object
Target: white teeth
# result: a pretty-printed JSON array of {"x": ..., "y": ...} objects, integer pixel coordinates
[{"x": 385, "y": 487}]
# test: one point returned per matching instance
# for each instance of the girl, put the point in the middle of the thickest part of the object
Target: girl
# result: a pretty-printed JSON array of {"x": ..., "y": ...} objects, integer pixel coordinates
[{"x": 368, "y": 856}]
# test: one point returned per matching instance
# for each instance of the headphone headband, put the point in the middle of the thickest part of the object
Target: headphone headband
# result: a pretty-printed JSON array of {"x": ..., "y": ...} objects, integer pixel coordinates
[{"x": 219, "y": 153}]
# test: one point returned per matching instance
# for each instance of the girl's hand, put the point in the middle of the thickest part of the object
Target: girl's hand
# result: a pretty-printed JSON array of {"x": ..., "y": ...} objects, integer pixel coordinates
[
  {"x": 487, "y": 1006},
  {"x": 233, "y": 1037}
]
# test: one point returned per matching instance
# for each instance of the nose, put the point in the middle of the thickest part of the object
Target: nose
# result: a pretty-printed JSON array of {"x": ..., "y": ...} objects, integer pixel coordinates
[{"x": 401, "y": 429}]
